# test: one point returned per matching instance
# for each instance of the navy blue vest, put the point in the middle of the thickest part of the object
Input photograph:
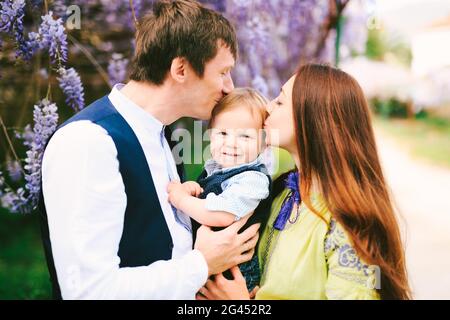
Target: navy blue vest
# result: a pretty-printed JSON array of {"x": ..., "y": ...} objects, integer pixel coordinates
[
  {"x": 145, "y": 237},
  {"x": 213, "y": 183}
]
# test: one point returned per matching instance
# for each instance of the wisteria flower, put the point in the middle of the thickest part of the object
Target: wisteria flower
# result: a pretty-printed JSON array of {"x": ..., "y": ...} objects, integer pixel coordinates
[
  {"x": 45, "y": 118},
  {"x": 15, "y": 201},
  {"x": 11, "y": 14},
  {"x": 14, "y": 169},
  {"x": 261, "y": 85},
  {"x": 26, "y": 135},
  {"x": 53, "y": 37},
  {"x": 70, "y": 83},
  {"x": 11, "y": 22},
  {"x": 117, "y": 69}
]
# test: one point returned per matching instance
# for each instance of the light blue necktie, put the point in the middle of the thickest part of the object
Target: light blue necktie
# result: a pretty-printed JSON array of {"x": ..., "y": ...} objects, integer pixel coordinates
[{"x": 180, "y": 217}]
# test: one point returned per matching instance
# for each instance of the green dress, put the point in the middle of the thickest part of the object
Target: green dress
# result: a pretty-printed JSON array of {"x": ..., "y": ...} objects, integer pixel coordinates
[{"x": 311, "y": 259}]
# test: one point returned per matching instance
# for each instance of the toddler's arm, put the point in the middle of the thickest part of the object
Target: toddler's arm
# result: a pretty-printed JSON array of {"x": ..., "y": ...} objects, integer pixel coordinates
[{"x": 183, "y": 196}]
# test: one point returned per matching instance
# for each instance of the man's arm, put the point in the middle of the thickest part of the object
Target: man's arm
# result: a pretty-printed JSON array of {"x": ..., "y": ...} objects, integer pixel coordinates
[{"x": 85, "y": 201}]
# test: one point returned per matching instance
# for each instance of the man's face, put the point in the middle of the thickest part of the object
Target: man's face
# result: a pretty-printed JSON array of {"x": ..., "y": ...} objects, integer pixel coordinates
[{"x": 216, "y": 82}]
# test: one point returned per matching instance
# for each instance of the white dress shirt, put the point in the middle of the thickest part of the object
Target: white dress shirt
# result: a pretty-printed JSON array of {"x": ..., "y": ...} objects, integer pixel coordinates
[{"x": 85, "y": 201}]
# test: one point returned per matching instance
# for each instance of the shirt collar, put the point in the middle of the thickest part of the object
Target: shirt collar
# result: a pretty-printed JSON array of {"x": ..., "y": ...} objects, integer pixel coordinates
[
  {"x": 211, "y": 166},
  {"x": 132, "y": 112}
]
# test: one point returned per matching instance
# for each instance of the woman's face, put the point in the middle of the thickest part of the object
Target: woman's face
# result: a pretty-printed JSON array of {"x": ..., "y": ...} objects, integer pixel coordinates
[{"x": 279, "y": 125}]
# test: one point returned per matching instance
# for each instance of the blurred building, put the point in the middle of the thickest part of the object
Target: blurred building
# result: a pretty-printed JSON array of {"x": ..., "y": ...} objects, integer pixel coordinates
[{"x": 431, "y": 48}]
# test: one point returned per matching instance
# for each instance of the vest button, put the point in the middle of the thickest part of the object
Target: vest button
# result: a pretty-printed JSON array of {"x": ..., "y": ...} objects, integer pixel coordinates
[{"x": 170, "y": 246}]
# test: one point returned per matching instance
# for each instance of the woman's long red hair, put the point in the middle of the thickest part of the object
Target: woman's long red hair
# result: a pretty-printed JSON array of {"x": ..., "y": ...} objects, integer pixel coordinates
[{"x": 337, "y": 150}]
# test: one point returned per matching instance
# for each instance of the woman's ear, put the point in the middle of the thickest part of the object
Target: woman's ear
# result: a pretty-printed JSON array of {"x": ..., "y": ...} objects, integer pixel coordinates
[{"x": 179, "y": 69}]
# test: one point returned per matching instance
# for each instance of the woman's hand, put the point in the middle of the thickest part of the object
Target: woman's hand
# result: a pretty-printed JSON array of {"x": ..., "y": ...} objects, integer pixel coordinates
[{"x": 223, "y": 289}]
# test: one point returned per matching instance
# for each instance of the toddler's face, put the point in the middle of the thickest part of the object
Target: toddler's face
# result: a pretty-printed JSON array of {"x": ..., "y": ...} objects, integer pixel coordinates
[{"x": 236, "y": 137}]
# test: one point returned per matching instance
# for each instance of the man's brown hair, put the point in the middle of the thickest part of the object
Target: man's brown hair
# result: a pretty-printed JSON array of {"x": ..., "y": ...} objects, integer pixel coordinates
[{"x": 180, "y": 28}]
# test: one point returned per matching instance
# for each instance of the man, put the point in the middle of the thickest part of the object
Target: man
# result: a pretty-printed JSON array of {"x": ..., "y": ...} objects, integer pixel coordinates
[{"x": 108, "y": 230}]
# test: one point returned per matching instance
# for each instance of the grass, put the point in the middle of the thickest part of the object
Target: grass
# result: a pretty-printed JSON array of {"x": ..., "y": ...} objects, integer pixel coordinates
[
  {"x": 426, "y": 138},
  {"x": 23, "y": 271}
]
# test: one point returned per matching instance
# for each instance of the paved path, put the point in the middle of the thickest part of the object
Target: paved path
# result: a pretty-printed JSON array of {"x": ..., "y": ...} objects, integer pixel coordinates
[{"x": 422, "y": 194}]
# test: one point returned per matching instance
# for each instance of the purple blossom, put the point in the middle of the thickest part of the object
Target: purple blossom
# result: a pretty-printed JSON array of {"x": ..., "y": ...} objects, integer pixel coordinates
[
  {"x": 70, "y": 83},
  {"x": 14, "y": 169},
  {"x": 117, "y": 69},
  {"x": 11, "y": 22},
  {"x": 111, "y": 8},
  {"x": 218, "y": 5},
  {"x": 45, "y": 118},
  {"x": 328, "y": 53},
  {"x": 15, "y": 201},
  {"x": 59, "y": 7},
  {"x": 26, "y": 136},
  {"x": 53, "y": 37},
  {"x": 261, "y": 85},
  {"x": 137, "y": 7},
  {"x": 257, "y": 35},
  {"x": 355, "y": 32},
  {"x": 273, "y": 36},
  {"x": 31, "y": 45},
  {"x": 11, "y": 14}
]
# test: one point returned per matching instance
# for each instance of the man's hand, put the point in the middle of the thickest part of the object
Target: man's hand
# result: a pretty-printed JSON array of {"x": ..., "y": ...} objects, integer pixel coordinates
[{"x": 226, "y": 248}]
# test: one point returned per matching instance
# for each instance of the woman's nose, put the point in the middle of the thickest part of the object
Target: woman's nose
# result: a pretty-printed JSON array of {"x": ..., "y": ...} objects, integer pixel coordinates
[{"x": 269, "y": 107}]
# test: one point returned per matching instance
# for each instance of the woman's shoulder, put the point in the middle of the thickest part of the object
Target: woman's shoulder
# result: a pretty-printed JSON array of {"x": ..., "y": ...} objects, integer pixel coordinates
[
  {"x": 336, "y": 237},
  {"x": 350, "y": 277}
]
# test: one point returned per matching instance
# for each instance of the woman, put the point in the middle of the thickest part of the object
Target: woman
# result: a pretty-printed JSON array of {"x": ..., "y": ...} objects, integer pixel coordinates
[{"x": 332, "y": 231}]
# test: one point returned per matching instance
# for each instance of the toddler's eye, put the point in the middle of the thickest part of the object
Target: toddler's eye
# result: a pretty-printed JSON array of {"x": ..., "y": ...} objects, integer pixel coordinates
[
  {"x": 245, "y": 136},
  {"x": 222, "y": 133}
]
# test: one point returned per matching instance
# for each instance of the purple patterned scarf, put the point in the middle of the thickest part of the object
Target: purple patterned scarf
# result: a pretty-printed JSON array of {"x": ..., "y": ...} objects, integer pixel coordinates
[{"x": 286, "y": 209}]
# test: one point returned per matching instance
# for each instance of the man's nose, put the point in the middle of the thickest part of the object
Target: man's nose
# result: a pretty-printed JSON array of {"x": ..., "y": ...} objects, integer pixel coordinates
[{"x": 228, "y": 85}]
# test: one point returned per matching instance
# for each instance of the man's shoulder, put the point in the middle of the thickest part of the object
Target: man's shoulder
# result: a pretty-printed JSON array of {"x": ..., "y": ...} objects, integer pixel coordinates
[
  {"x": 83, "y": 134},
  {"x": 94, "y": 112}
]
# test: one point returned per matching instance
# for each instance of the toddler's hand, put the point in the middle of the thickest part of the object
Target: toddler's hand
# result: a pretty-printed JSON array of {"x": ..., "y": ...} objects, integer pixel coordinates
[
  {"x": 176, "y": 193},
  {"x": 193, "y": 188}
]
